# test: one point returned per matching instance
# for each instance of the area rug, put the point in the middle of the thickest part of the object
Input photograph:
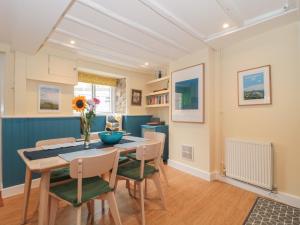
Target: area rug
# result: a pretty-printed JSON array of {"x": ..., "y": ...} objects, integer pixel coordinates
[{"x": 269, "y": 212}]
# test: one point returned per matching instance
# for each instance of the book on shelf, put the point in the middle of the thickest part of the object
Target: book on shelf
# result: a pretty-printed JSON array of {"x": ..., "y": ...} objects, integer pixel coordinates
[{"x": 158, "y": 99}]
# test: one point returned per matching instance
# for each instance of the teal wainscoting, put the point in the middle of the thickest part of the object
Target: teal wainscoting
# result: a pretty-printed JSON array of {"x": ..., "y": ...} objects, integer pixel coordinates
[
  {"x": 19, "y": 133},
  {"x": 132, "y": 124}
]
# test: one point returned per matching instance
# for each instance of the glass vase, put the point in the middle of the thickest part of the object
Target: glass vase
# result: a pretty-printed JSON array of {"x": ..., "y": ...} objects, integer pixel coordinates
[{"x": 87, "y": 135}]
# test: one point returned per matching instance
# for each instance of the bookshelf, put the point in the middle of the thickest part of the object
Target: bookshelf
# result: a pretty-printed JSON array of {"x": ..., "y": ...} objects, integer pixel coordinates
[{"x": 159, "y": 96}]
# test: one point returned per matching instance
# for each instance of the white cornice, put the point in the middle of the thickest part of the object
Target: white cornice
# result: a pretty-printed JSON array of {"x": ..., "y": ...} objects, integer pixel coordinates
[
  {"x": 134, "y": 25},
  {"x": 160, "y": 10},
  {"x": 253, "y": 22}
]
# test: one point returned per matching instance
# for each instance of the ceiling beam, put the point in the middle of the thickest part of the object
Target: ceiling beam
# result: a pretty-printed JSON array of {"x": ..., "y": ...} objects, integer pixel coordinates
[
  {"x": 170, "y": 17},
  {"x": 114, "y": 35},
  {"x": 107, "y": 49},
  {"x": 133, "y": 25},
  {"x": 93, "y": 53}
]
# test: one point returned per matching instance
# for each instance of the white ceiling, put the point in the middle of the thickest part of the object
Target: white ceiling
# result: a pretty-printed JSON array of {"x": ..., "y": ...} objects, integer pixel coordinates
[
  {"x": 132, "y": 32},
  {"x": 25, "y": 25}
]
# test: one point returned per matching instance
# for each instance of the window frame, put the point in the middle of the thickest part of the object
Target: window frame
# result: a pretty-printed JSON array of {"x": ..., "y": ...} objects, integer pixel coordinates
[{"x": 112, "y": 95}]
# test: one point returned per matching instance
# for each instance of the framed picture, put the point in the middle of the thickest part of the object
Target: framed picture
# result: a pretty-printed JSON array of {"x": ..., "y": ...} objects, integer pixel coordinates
[
  {"x": 136, "y": 97},
  {"x": 49, "y": 98},
  {"x": 254, "y": 86},
  {"x": 188, "y": 94}
]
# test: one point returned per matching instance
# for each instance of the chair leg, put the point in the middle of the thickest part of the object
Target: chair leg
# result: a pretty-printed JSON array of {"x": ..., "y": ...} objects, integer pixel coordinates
[
  {"x": 146, "y": 187},
  {"x": 141, "y": 187},
  {"x": 134, "y": 189},
  {"x": 157, "y": 183},
  {"x": 114, "y": 208},
  {"x": 78, "y": 215},
  {"x": 27, "y": 188},
  {"x": 162, "y": 169},
  {"x": 128, "y": 187},
  {"x": 53, "y": 210}
]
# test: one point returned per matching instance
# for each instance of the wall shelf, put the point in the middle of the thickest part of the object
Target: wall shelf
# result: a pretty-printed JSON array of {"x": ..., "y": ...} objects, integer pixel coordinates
[
  {"x": 157, "y": 105},
  {"x": 166, "y": 78},
  {"x": 158, "y": 93}
]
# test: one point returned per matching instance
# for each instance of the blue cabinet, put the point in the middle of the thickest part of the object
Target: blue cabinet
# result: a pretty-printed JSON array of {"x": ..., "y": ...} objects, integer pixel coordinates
[{"x": 162, "y": 129}]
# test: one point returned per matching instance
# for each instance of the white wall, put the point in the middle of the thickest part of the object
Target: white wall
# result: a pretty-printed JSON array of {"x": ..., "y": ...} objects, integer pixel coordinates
[
  {"x": 279, "y": 122},
  {"x": 22, "y": 94},
  {"x": 195, "y": 134}
]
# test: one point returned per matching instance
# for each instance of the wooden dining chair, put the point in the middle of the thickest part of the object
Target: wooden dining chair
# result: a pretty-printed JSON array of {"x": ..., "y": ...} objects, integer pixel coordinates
[
  {"x": 87, "y": 184},
  {"x": 58, "y": 175},
  {"x": 137, "y": 171},
  {"x": 158, "y": 137}
]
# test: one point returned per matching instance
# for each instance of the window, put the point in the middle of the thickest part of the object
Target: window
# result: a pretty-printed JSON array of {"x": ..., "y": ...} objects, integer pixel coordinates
[{"x": 104, "y": 93}]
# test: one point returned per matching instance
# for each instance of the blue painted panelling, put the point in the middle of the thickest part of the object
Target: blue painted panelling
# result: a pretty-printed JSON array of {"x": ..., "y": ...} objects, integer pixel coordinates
[
  {"x": 99, "y": 123},
  {"x": 21, "y": 133},
  {"x": 18, "y": 133},
  {"x": 132, "y": 124}
]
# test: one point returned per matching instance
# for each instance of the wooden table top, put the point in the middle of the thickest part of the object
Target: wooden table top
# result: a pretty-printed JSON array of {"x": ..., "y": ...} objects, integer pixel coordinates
[{"x": 46, "y": 164}]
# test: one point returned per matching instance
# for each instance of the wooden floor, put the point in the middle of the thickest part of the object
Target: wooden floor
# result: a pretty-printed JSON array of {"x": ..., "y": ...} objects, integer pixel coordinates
[{"x": 190, "y": 201}]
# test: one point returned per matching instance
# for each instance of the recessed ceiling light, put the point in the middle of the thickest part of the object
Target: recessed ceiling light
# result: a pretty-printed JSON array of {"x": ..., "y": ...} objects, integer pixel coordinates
[
  {"x": 146, "y": 64},
  {"x": 225, "y": 25},
  {"x": 72, "y": 42}
]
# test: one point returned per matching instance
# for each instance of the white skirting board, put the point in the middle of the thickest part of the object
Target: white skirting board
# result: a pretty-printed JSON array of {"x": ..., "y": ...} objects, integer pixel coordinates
[
  {"x": 18, "y": 189},
  {"x": 210, "y": 176}
]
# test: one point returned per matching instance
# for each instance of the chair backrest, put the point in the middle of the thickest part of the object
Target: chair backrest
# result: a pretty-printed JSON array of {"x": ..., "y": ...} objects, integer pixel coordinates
[
  {"x": 151, "y": 152},
  {"x": 55, "y": 141},
  {"x": 157, "y": 136},
  {"x": 93, "y": 166}
]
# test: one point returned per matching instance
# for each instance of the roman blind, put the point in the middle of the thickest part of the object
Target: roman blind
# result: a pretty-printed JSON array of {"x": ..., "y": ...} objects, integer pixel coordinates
[{"x": 96, "y": 79}]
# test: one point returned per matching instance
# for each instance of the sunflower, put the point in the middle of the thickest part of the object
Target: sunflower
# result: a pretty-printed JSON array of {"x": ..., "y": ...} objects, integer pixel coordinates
[{"x": 79, "y": 103}]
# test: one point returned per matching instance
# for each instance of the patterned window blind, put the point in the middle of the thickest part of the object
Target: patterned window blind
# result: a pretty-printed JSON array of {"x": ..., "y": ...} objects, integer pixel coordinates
[{"x": 96, "y": 79}]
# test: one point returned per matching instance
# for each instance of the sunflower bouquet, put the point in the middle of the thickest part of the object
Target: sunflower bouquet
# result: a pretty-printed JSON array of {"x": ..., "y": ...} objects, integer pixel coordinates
[{"x": 87, "y": 110}]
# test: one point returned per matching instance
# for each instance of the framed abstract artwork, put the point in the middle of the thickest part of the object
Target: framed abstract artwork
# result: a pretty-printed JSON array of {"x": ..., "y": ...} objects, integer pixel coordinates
[
  {"x": 49, "y": 98},
  {"x": 188, "y": 94},
  {"x": 254, "y": 86},
  {"x": 136, "y": 97}
]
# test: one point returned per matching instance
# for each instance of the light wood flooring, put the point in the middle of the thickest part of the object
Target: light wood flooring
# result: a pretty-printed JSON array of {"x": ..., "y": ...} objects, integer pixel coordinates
[{"x": 189, "y": 200}]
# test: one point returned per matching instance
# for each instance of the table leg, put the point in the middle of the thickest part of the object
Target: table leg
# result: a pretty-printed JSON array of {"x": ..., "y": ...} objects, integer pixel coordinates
[
  {"x": 27, "y": 188},
  {"x": 44, "y": 198}
]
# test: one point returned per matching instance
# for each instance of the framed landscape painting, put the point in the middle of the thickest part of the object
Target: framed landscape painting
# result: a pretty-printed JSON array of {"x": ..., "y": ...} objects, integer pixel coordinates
[
  {"x": 188, "y": 94},
  {"x": 254, "y": 86},
  {"x": 49, "y": 98}
]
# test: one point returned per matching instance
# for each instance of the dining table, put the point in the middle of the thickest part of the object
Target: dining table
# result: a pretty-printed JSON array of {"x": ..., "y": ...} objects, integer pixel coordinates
[{"x": 44, "y": 166}]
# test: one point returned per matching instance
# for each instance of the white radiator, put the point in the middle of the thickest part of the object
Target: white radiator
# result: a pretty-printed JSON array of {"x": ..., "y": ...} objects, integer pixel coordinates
[{"x": 250, "y": 162}]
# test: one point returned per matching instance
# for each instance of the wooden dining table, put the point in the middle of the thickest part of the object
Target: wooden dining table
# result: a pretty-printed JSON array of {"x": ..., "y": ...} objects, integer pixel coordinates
[{"x": 44, "y": 167}]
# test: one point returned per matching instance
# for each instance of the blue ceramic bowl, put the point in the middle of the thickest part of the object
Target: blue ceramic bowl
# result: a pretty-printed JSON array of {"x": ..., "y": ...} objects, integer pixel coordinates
[{"x": 111, "y": 137}]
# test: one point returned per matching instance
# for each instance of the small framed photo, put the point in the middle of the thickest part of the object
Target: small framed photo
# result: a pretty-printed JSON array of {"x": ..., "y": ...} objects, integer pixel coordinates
[
  {"x": 49, "y": 98},
  {"x": 254, "y": 86},
  {"x": 136, "y": 97}
]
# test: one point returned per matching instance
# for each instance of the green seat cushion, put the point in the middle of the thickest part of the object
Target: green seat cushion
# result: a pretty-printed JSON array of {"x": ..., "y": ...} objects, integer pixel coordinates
[
  {"x": 60, "y": 175},
  {"x": 132, "y": 170},
  {"x": 132, "y": 155},
  {"x": 91, "y": 188},
  {"x": 123, "y": 159}
]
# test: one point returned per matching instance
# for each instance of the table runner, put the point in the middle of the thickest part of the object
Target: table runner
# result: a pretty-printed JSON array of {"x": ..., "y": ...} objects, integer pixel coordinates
[{"x": 40, "y": 154}]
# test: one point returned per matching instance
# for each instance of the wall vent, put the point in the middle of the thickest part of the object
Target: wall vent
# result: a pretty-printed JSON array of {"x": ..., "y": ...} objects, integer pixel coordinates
[{"x": 187, "y": 152}]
